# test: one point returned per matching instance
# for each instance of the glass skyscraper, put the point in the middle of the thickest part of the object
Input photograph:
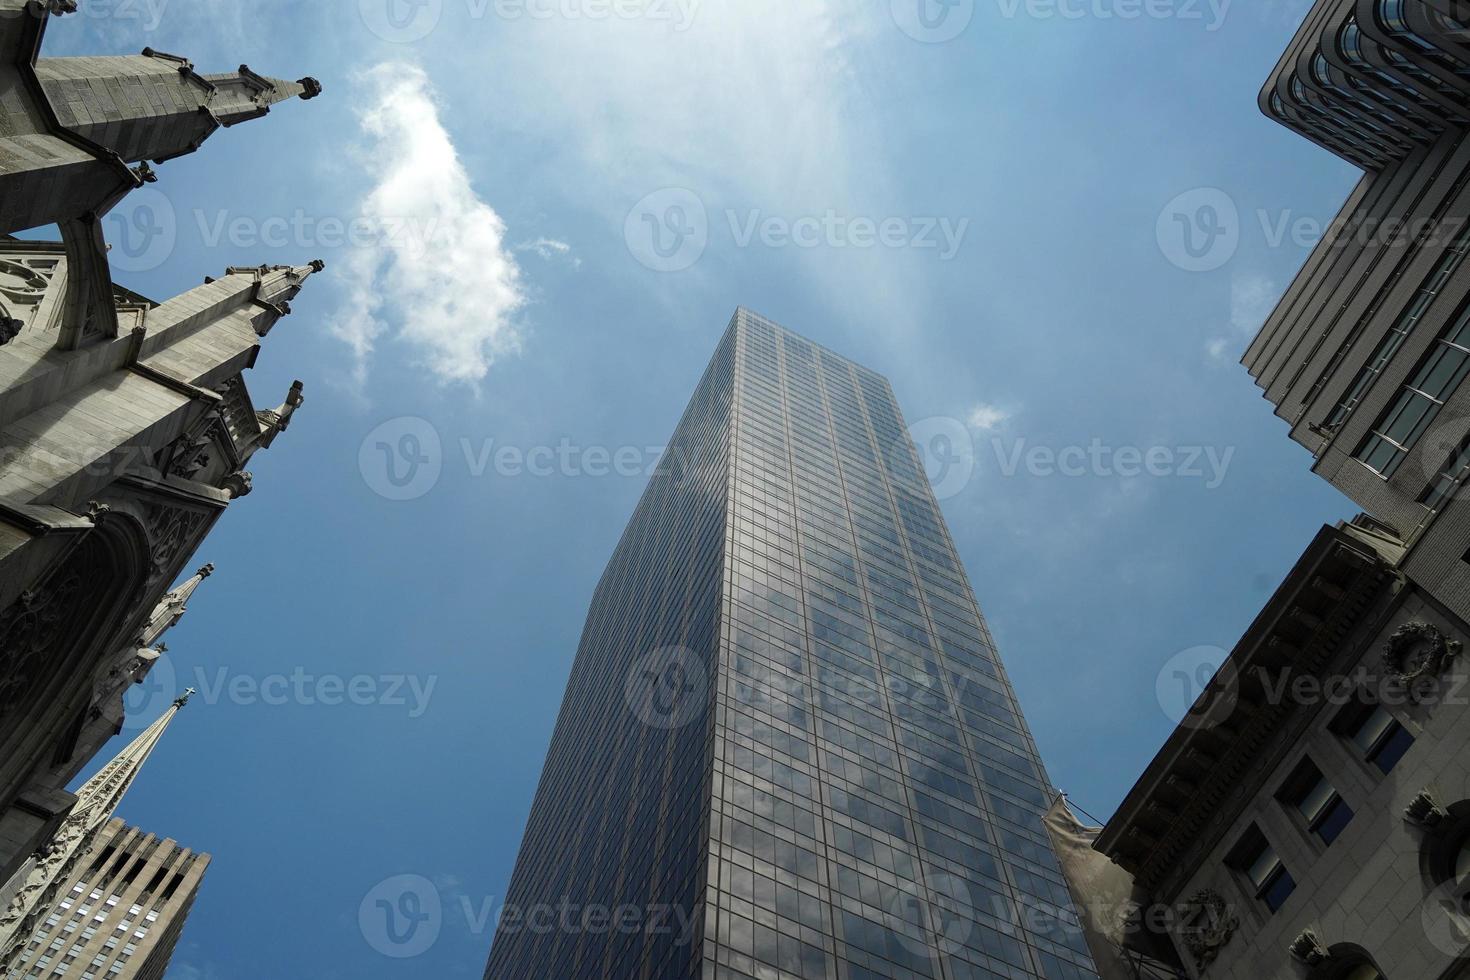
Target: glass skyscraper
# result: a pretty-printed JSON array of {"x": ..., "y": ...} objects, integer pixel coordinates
[{"x": 788, "y": 748}]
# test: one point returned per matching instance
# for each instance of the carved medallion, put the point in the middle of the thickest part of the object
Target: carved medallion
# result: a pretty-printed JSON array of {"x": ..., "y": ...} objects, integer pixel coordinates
[
  {"x": 1418, "y": 650},
  {"x": 1206, "y": 924}
]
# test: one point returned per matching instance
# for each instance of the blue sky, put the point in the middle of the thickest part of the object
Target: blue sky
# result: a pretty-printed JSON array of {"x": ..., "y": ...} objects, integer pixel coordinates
[{"x": 994, "y": 221}]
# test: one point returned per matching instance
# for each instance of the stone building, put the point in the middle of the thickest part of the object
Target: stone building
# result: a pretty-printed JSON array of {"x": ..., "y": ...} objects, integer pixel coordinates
[
  {"x": 125, "y": 423},
  {"x": 1310, "y": 818},
  {"x": 125, "y": 908},
  {"x": 101, "y": 899}
]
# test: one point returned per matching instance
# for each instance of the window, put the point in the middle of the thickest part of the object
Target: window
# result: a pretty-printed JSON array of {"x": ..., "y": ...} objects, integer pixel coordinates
[
  {"x": 1419, "y": 401},
  {"x": 1448, "y": 478},
  {"x": 1256, "y": 859},
  {"x": 1407, "y": 320},
  {"x": 1376, "y": 733},
  {"x": 1309, "y": 793}
]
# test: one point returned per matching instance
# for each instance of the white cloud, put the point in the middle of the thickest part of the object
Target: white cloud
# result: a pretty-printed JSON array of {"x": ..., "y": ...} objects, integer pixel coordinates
[
  {"x": 987, "y": 417},
  {"x": 1252, "y": 298},
  {"x": 550, "y": 248},
  {"x": 439, "y": 277}
]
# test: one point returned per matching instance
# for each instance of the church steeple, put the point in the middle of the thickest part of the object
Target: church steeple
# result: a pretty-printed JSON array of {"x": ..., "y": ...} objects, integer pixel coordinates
[
  {"x": 155, "y": 106},
  {"x": 71, "y": 127},
  {"x": 97, "y": 801},
  {"x": 171, "y": 607}
]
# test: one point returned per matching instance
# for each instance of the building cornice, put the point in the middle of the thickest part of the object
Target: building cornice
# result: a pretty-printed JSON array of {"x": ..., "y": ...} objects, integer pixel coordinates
[{"x": 1183, "y": 797}]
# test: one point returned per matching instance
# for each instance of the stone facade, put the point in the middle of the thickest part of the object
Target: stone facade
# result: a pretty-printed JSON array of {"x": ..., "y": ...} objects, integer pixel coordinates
[
  {"x": 1314, "y": 745},
  {"x": 125, "y": 424},
  {"x": 1310, "y": 818},
  {"x": 37, "y": 893}
]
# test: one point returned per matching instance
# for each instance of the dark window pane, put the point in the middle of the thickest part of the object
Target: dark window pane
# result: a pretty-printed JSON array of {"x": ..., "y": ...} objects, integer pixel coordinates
[
  {"x": 1392, "y": 748},
  {"x": 1278, "y": 889},
  {"x": 1333, "y": 820}
]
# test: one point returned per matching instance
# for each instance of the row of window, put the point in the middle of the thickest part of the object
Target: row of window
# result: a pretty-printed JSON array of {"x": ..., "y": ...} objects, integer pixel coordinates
[
  {"x": 1419, "y": 402},
  {"x": 860, "y": 617},
  {"x": 1380, "y": 740}
]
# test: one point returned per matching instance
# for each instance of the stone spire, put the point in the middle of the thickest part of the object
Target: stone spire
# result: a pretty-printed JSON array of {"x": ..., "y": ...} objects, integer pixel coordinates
[
  {"x": 97, "y": 801},
  {"x": 155, "y": 106},
  {"x": 171, "y": 607},
  {"x": 70, "y": 127}
]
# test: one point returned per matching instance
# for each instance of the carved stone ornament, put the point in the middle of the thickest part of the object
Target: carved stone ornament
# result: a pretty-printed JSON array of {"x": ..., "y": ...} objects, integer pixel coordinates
[
  {"x": 1425, "y": 810},
  {"x": 57, "y": 7},
  {"x": 171, "y": 530},
  {"x": 1307, "y": 948},
  {"x": 29, "y": 632},
  {"x": 1206, "y": 925},
  {"x": 189, "y": 455},
  {"x": 238, "y": 484},
  {"x": 1418, "y": 650}
]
